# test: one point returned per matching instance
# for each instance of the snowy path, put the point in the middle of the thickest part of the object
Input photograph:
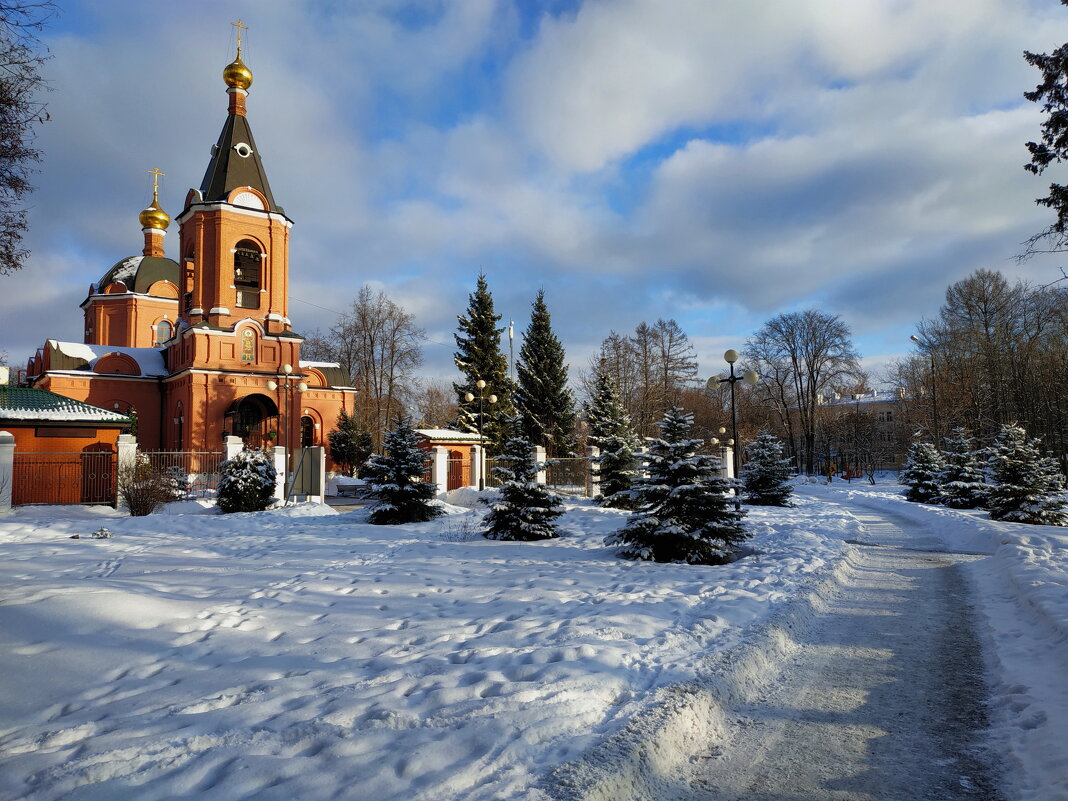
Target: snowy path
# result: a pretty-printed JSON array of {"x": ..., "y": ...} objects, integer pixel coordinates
[{"x": 883, "y": 696}]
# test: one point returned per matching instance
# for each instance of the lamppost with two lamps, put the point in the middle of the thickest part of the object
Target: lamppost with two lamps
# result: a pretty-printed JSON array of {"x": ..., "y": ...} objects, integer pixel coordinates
[
  {"x": 750, "y": 377},
  {"x": 301, "y": 387},
  {"x": 469, "y": 397}
]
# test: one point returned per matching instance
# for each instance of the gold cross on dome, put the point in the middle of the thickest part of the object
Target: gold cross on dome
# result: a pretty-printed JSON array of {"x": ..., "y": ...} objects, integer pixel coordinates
[
  {"x": 240, "y": 28},
  {"x": 155, "y": 179}
]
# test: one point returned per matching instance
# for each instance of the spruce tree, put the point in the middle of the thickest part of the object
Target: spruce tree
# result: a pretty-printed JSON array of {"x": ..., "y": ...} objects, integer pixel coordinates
[
  {"x": 611, "y": 433},
  {"x": 923, "y": 466},
  {"x": 350, "y": 444},
  {"x": 1028, "y": 487},
  {"x": 767, "y": 476},
  {"x": 684, "y": 513},
  {"x": 246, "y": 482},
  {"x": 479, "y": 358},
  {"x": 397, "y": 479},
  {"x": 544, "y": 403},
  {"x": 961, "y": 480},
  {"x": 525, "y": 510}
]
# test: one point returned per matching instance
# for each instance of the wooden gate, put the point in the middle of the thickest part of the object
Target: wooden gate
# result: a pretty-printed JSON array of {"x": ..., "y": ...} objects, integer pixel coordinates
[
  {"x": 457, "y": 473},
  {"x": 80, "y": 477}
]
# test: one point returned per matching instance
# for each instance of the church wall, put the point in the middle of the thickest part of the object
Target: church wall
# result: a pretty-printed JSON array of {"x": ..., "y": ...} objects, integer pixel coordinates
[
  {"x": 116, "y": 394},
  {"x": 126, "y": 320}
]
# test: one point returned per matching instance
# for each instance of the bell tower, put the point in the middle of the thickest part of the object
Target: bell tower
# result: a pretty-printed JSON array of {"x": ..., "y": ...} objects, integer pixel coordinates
[{"x": 233, "y": 236}]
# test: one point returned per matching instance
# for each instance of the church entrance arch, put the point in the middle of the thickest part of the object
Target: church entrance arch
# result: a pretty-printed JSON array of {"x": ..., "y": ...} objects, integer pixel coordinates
[{"x": 253, "y": 418}]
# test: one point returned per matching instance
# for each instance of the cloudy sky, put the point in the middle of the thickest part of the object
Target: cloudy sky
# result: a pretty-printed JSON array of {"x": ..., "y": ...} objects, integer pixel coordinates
[{"x": 715, "y": 161}]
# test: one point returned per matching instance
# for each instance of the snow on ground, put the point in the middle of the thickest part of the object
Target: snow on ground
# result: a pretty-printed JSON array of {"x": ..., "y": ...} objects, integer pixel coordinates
[
  {"x": 1021, "y": 593},
  {"x": 304, "y": 654}
]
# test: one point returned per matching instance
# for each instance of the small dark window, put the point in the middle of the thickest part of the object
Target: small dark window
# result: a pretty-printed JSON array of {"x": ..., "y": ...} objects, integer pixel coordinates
[
  {"x": 307, "y": 432},
  {"x": 247, "y": 275}
]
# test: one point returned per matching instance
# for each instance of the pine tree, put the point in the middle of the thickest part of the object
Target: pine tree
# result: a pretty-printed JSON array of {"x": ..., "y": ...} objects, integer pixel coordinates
[
  {"x": 1028, "y": 487},
  {"x": 247, "y": 482},
  {"x": 961, "y": 480},
  {"x": 545, "y": 405},
  {"x": 767, "y": 475},
  {"x": 923, "y": 466},
  {"x": 525, "y": 509},
  {"x": 611, "y": 433},
  {"x": 685, "y": 513},
  {"x": 397, "y": 479},
  {"x": 479, "y": 358},
  {"x": 350, "y": 444}
]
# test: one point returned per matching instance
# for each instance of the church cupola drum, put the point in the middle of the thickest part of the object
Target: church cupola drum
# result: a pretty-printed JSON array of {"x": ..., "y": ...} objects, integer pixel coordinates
[{"x": 234, "y": 237}]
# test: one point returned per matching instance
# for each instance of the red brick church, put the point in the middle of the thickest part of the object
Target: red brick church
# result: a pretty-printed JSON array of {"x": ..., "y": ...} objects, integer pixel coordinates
[{"x": 202, "y": 346}]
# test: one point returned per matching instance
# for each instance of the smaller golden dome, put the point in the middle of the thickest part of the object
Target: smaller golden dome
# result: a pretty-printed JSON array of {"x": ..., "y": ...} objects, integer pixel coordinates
[
  {"x": 154, "y": 217},
  {"x": 237, "y": 75}
]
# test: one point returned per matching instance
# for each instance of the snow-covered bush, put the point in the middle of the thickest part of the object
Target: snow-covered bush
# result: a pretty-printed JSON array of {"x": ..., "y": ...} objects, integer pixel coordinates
[
  {"x": 397, "y": 479},
  {"x": 923, "y": 467},
  {"x": 1028, "y": 487},
  {"x": 142, "y": 489},
  {"x": 961, "y": 484},
  {"x": 247, "y": 482},
  {"x": 684, "y": 512},
  {"x": 767, "y": 477},
  {"x": 523, "y": 509}
]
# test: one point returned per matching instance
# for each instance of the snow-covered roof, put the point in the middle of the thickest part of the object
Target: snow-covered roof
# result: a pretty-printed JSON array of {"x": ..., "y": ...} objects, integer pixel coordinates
[
  {"x": 149, "y": 360},
  {"x": 318, "y": 364},
  {"x": 877, "y": 396},
  {"x": 33, "y": 405},
  {"x": 447, "y": 435}
]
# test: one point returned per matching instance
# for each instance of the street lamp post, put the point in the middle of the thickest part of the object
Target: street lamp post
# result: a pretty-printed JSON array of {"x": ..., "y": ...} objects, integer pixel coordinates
[
  {"x": 301, "y": 387},
  {"x": 469, "y": 397},
  {"x": 750, "y": 377},
  {"x": 925, "y": 343}
]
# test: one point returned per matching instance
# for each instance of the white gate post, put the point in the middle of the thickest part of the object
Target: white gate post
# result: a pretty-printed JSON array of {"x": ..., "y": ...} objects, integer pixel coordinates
[
  {"x": 126, "y": 452},
  {"x": 7, "y": 470},
  {"x": 478, "y": 466},
  {"x": 593, "y": 476},
  {"x": 726, "y": 462},
  {"x": 439, "y": 469},
  {"x": 233, "y": 446},
  {"x": 281, "y": 479},
  {"x": 539, "y": 457}
]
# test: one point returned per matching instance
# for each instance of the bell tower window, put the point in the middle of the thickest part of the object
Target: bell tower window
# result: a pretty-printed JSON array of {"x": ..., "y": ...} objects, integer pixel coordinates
[{"x": 247, "y": 274}]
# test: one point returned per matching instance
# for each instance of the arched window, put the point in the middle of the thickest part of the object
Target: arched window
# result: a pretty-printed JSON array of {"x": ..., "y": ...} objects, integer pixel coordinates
[
  {"x": 179, "y": 428},
  {"x": 307, "y": 432},
  {"x": 164, "y": 331},
  {"x": 247, "y": 274}
]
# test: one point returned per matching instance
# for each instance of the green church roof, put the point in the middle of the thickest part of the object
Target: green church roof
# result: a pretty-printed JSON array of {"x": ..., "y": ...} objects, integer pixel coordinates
[{"x": 23, "y": 404}]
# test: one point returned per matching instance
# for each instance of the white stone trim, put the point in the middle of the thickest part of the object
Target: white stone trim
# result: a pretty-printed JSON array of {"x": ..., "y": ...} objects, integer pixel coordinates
[
  {"x": 197, "y": 310},
  {"x": 219, "y": 310},
  {"x": 270, "y": 215}
]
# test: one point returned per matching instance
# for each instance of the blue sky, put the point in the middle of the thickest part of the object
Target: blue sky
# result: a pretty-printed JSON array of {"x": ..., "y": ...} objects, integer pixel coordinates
[{"x": 715, "y": 162}]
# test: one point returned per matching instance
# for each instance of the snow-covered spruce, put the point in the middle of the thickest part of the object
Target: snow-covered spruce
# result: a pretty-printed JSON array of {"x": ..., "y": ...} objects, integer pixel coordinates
[
  {"x": 246, "y": 482},
  {"x": 684, "y": 512},
  {"x": 546, "y": 408},
  {"x": 524, "y": 510},
  {"x": 1028, "y": 487},
  {"x": 961, "y": 484},
  {"x": 350, "y": 443},
  {"x": 767, "y": 476},
  {"x": 923, "y": 467},
  {"x": 611, "y": 433},
  {"x": 396, "y": 478}
]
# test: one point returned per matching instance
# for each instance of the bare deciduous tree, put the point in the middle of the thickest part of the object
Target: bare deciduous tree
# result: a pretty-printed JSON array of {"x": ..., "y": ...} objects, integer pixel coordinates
[
  {"x": 379, "y": 346},
  {"x": 807, "y": 354}
]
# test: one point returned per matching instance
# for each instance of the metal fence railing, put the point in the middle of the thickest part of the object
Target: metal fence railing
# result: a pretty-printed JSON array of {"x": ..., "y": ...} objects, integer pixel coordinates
[
  {"x": 568, "y": 476},
  {"x": 196, "y": 473}
]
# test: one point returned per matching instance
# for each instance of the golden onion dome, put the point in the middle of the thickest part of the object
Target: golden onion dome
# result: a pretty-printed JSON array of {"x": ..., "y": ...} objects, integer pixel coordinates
[
  {"x": 237, "y": 75},
  {"x": 154, "y": 216}
]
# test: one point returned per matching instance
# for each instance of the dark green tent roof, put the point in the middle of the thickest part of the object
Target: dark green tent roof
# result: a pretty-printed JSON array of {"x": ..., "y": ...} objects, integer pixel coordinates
[{"x": 232, "y": 166}]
